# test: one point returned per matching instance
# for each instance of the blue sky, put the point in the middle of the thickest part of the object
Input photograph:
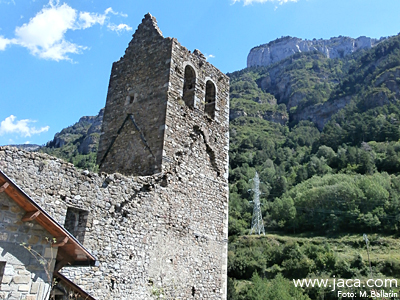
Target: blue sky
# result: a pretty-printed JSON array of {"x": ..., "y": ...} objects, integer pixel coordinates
[{"x": 56, "y": 56}]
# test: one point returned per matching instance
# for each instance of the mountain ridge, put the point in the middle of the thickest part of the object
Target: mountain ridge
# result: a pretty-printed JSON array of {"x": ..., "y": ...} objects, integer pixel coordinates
[{"x": 281, "y": 48}]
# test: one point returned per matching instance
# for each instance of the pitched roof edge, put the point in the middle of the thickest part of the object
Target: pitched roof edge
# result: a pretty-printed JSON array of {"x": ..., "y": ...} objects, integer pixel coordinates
[
  {"x": 73, "y": 286},
  {"x": 45, "y": 220}
]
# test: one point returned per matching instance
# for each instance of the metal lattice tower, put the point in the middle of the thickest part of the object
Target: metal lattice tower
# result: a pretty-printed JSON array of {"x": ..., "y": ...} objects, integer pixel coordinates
[{"x": 257, "y": 224}]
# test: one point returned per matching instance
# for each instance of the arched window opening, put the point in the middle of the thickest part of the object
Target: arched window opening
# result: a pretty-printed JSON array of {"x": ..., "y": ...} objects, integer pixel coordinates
[
  {"x": 189, "y": 86},
  {"x": 209, "y": 108}
]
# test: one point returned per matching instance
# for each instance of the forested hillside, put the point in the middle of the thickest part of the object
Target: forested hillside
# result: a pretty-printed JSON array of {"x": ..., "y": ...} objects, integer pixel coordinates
[
  {"x": 358, "y": 146},
  {"x": 331, "y": 170},
  {"x": 323, "y": 134},
  {"x": 78, "y": 143}
]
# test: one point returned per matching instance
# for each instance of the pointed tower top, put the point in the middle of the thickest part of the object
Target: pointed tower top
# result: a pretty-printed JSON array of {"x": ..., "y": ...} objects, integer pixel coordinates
[{"x": 148, "y": 28}]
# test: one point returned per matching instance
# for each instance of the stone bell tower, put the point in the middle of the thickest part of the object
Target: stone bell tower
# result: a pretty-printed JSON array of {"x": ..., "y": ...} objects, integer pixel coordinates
[
  {"x": 159, "y": 92},
  {"x": 167, "y": 113}
]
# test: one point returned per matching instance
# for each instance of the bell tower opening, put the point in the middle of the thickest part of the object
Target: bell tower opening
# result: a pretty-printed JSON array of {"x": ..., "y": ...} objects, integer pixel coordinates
[
  {"x": 209, "y": 108},
  {"x": 189, "y": 86}
]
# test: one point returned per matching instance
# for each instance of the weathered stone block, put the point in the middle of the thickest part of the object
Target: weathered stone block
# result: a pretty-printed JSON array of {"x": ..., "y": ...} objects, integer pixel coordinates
[
  {"x": 24, "y": 287},
  {"x": 14, "y": 296},
  {"x": 3, "y": 236},
  {"x": 21, "y": 279},
  {"x": 5, "y": 287},
  {"x": 34, "y": 239},
  {"x": 24, "y": 272},
  {"x": 6, "y": 279},
  {"x": 15, "y": 209},
  {"x": 35, "y": 287}
]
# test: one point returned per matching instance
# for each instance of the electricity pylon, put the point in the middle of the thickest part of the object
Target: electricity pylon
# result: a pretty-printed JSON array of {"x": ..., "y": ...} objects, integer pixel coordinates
[{"x": 257, "y": 224}]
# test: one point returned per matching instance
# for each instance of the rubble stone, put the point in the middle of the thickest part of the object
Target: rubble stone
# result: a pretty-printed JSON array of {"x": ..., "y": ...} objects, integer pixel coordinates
[{"x": 156, "y": 216}]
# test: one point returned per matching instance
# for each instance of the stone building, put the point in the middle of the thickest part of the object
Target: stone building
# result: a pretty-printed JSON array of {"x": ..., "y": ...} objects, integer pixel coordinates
[
  {"x": 156, "y": 216},
  {"x": 33, "y": 248}
]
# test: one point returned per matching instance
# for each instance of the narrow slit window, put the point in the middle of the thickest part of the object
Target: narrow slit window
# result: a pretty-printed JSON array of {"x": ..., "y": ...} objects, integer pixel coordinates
[
  {"x": 2, "y": 267},
  {"x": 75, "y": 222},
  {"x": 209, "y": 108},
  {"x": 189, "y": 86}
]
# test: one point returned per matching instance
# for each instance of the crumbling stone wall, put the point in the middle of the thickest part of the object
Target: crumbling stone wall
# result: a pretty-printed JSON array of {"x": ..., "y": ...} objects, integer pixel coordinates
[
  {"x": 134, "y": 114},
  {"x": 152, "y": 103},
  {"x": 164, "y": 233},
  {"x": 116, "y": 225},
  {"x": 24, "y": 276},
  {"x": 195, "y": 150},
  {"x": 143, "y": 230},
  {"x": 174, "y": 109}
]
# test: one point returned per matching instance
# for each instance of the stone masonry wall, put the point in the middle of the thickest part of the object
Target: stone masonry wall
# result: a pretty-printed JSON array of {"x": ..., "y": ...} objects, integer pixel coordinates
[
  {"x": 159, "y": 235},
  {"x": 144, "y": 231},
  {"x": 24, "y": 275},
  {"x": 114, "y": 232},
  {"x": 193, "y": 142},
  {"x": 196, "y": 149},
  {"x": 136, "y": 103}
]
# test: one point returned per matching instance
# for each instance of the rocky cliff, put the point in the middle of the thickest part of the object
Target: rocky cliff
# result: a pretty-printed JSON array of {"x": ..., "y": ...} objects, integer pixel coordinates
[
  {"x": 336, "y": 47},
  {"x": 84, "y": 134},
  {"x": 320, "y": 114}
]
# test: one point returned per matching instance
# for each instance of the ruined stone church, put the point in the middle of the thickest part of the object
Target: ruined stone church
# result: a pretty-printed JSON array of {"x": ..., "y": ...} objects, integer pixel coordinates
[{"x": 154, "y": 222}]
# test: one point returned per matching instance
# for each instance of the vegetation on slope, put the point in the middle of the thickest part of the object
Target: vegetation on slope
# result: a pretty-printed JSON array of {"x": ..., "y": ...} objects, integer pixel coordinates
[
  {"x": 344, "y": 179},
  {"x": 264, "y": 263},
  {"x": 78, "y": 143}
]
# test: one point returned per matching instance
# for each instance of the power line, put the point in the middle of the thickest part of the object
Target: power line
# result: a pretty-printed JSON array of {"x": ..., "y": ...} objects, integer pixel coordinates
[{"x": 257, "y": 224}]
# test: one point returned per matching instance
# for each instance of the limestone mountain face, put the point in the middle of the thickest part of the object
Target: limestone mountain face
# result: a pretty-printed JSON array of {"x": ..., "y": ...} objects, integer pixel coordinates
[
  {"x": 91, "y": 140},
  {"x": 322, "y": 113},
  {"x": 84, "y": 134},
  {"x": 336, "y": 47},
  {"x": 316, "y": 79}
]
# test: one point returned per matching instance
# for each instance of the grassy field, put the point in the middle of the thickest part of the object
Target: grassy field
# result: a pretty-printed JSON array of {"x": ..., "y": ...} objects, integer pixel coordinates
[{"x": 318, "y": 257}]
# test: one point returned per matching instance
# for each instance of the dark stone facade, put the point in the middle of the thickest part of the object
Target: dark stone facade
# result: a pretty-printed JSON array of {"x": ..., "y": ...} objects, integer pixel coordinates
[
  {"x": 150, "y": 86},
  {"x": 163, "y": 233}
]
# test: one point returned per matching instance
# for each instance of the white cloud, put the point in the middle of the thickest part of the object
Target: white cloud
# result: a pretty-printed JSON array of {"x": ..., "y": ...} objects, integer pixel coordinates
[
  {"x": 110, "y": 10},
  {"x": 210, "y": 56},
  {"x": 21, "y": 127},
  {"x": 45, "y": 34},
  {"x": 89, "y": 19},
  {"x": 4, "y": 42},
  {"x": 60, "y": 50},
  {"x": 247, "y": 2},
  {"x": 119, "y": 28},
  {"x": 7, "y": 2}
]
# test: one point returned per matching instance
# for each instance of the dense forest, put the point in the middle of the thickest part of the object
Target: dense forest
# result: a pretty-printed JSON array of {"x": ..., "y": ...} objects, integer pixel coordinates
[
  {"x": 329, "y": 175},
  {"x": 324, "y": 136}
]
